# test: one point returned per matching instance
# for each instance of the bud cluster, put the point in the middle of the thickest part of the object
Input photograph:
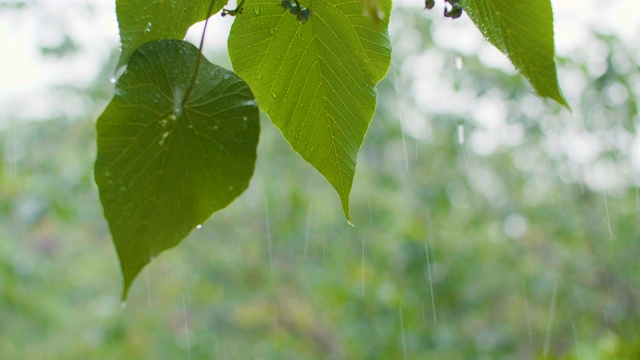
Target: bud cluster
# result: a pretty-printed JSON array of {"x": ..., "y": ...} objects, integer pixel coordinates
[{"x": 452, "y": 8}]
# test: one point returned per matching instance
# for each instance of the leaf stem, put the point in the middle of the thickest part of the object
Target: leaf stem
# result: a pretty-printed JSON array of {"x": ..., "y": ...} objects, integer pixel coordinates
[{"x": 199, "y": 59}]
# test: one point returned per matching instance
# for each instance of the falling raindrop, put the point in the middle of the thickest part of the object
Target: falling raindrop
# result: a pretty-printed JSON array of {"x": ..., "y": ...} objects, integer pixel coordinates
[
  {"x": 363, "y": 266},
  {"x": 268, "y": 228},
  {"x": 607, "y": 218},
  {"x": 527, "y": 312},
  {"x": 404, "y": 141},
  {"x": 308, "y": 231},
  {"x": 575, "y": 339},
  {"x": 148, "y": 285},
  {"x": 404, "y": 341},
  {"x": 433, "y": 303},
  {"x": 552, "y": 309},
  {"x": 458, "y": 62},
  {"x": 186, "y": 327},
  {"x": 461, "y": 134}
]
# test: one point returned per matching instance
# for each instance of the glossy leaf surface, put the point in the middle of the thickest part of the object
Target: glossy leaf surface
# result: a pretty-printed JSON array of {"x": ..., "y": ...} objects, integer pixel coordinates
[
  {"x": 315, "y": 78},
  {"x": 168, "y": 157},
  {"x": 522, "y": 30}
]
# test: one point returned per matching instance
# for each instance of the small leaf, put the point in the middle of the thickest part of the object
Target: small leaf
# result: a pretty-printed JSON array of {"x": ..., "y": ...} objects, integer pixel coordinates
[
  {"x": 522, "y": 30},
  {"x": 316, "y": 80},
  {"x": 141, "y": 21},
  {"x": 166, "y": 163}
]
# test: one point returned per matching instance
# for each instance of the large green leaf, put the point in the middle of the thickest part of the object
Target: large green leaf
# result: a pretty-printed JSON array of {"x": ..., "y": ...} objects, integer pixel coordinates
[
  {"x": 316, "y": 80},
  {"x": 522, "y": 30},
  {"x": 141, "y": 21},
  {"x": 168, "y": 160}
]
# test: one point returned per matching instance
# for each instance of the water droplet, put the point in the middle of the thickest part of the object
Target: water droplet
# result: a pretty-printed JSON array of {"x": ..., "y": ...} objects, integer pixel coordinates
[
  {"x": 272, "y": 30},
  {"x": 112, "y": 79},
  {"x": 274, "y": 95},
  {"x": 163, "y": 138},
  {"x": 458, "y": 62},
  {"x": 148, "y": 28},
  {"x": 256, "y": 9},
  {"x": 123, "y": 304},
  {"x": 198, "y": 227},
  {"x": 259, "y": 77},
  {"x": 350, "y": 223}
]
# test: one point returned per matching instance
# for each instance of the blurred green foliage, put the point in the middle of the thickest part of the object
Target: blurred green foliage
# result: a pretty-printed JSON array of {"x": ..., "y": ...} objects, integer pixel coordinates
[{"x": 527, "y": 257}]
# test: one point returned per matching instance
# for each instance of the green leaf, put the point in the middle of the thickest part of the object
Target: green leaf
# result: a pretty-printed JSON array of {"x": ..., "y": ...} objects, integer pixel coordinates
[
  {"x": 522, "y": 30},
  {"x": 141, "y": 21},
  {"x": 169, "y": 157},
  {"x": 316, "y": 80}
]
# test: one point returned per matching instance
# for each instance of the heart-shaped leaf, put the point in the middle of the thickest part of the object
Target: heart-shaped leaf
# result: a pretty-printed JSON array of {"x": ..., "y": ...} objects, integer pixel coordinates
[
  {"x": 522, "y": 30},
  {"x": 315, "y": 76},
  {"x": 142, "y": 21},
  {"x": 170, "y": 153}
]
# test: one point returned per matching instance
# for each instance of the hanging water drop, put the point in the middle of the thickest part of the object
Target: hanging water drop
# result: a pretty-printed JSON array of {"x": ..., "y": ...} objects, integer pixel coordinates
[{"x": 198, "y": 227}]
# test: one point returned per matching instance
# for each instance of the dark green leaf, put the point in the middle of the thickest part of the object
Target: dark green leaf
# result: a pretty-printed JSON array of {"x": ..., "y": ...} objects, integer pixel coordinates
[
  {"x": 522, "y": 30},
  {"x": 316, "y": 80},
  {"x": 166, "y": 163}
]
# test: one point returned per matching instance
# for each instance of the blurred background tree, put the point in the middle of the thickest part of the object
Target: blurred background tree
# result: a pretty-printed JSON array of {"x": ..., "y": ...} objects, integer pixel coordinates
[{"x": 489, "y": 223}]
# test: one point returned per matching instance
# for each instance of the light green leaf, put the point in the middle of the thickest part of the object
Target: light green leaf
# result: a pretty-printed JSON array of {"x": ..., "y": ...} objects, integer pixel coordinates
[
  {"x": 168, "y": 156},
  {"x": 141, "y": 21},
  {"x": 316, "y": 80},
  {"x": 522, "y": 30}
]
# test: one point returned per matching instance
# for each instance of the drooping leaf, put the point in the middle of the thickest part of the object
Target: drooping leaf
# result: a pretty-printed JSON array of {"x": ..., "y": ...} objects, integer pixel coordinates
[
  {"x": 168, "y": 158},
  {"x": 316, "y": 80},
  {"x": 522, "y": 30},
  {"x": 141, "y": 21}
]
